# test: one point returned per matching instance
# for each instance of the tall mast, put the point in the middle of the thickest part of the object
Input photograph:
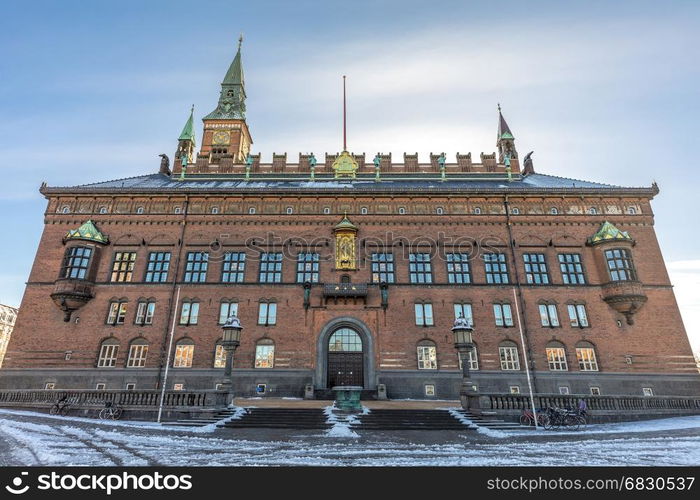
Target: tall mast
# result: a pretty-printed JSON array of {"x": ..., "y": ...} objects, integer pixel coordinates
[{"x": 345, "y": 133}]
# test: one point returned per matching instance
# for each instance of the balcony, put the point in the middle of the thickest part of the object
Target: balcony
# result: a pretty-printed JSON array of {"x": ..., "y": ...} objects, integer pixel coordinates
[
  {"x": 626, "y": 297},
  {"x": 71, "y": 294},
  {"x": 351, "y": 290}
]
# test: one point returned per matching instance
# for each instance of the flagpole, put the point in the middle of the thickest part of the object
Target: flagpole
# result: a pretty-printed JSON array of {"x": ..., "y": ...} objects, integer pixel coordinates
[{"x": 345, "y": 135}]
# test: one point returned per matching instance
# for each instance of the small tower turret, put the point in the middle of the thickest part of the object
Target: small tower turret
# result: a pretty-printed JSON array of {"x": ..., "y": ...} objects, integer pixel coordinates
[{"x": 505, "y": 142}]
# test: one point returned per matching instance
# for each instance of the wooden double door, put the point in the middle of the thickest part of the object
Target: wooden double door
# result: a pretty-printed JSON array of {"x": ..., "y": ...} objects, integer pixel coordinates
[{"x": 345, "y": 368}]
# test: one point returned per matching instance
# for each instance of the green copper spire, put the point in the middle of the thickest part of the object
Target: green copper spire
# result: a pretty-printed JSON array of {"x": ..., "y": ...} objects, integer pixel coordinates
[
  {"x": 188, "y": 130},
  {"x": 232, "y": 98},
  {"x": 608, "y": 232},
  {"x": 503, "y": 128},
  {"x": 86, "y": 232}
]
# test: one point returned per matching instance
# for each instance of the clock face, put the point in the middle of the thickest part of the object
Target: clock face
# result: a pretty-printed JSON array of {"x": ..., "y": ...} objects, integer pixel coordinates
[{"x": 221, "y": 137}]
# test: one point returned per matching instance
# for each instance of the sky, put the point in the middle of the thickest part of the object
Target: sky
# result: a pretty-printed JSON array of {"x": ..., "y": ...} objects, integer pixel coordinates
[{"x": 601, "y": 91}]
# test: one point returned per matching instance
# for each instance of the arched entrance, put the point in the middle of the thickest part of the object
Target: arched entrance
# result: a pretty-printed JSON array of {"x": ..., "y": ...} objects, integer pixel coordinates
[
  {"x": 345, "y": 358},
  {"x": 345, "y": 345}
]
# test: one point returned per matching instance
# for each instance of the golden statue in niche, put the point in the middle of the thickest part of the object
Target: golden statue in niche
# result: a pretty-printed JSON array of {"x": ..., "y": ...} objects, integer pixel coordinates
[{"x": 345, "y": 245}]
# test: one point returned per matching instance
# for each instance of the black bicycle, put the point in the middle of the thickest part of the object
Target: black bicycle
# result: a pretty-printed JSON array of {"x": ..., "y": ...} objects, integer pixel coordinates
[
  {"x": 110, "y": 411},
  {"x": 61, "y": 407}
]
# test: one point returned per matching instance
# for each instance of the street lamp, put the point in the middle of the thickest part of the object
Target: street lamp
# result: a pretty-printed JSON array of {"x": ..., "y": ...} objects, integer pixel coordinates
[
  {"x": 462, "y": 332},
  {"x": 231, "y": 340}
]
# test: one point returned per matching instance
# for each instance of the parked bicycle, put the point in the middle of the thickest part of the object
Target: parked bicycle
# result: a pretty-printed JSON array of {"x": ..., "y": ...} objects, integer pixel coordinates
[
  {"x": 527, "y": 418},
  {"x": 60, "y": 407},
  {"x": 110, "y": 411},
  {"x": 564, "y": 417}
]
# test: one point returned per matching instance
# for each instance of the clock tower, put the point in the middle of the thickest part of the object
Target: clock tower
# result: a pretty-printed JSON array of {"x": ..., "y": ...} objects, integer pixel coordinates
[{"x": 226, "y": 133}]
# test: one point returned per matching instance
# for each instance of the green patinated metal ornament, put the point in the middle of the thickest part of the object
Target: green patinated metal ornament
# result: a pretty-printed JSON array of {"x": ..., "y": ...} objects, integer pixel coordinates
[
  {"x": 608, "y": 232},
  {"x": 87, "y": 232}
]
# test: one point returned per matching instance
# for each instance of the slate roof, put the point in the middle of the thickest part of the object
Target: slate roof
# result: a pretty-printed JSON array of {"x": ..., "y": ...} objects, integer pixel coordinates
[{"x": 471, "y": 183}]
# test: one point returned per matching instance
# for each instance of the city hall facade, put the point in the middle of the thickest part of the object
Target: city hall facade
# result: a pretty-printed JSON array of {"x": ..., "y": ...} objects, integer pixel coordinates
[{"x": 348, "y": 269}]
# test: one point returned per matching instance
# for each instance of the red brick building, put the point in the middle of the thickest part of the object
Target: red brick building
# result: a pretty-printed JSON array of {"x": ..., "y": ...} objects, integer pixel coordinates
[{"x": 348, "y": 269}]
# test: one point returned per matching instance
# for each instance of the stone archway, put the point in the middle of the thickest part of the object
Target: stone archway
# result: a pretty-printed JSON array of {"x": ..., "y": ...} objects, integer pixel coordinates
[{"x": 322, "y": 349}]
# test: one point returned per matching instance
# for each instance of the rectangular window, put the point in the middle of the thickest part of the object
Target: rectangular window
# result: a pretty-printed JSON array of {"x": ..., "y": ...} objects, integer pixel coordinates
[
  {"x": 427, "y": 357},
  {"x": 509, "y": 358},
  {"x": 183, "y": 356},
  {"x": 595, "y": 391},
  {"x": 233, "y": 267},
  {"x": 189, "y": 313},
  {"x": 548, "y": 315},
  {"x": 76, "y": 262},
  {"x": 503, "y": 315},
  {"x": 556, "y": 358},
  {"x": 101, "y": 386},
  {"x": 424, "y": 314},
  {"x": 458, "y": 268},
  {"x": 382, "y": 267},
  {"x": 50, "y": 386},
  {"x": 108, "y": 356},
  {"x": 577, "y": 315},
  {"x": 473, "y": 360},
  {"x": 123, "y": 266},
  {"x": 564, "y": 390},
  {"x": 144, "y": 313},
  {"x": 220, "y": 357},
  {"x": 496, "y": 268},
  {"x": 226, "y": 310},
  {"x": 571, "y": 269},
  {"x": 535, "y": 269},
  {"x": 307, "y": 267},
  {"x": 419, "y": 268},
  {"x": 117, "y": 313},
  {"x": 178, "y": 387},
  {"x": 267, "y": 314},
  {"x": 515, "y": 389},
  {"x": 270, "y": 268},
  {"x": 130, "y": 387},
  {"x": 620, "y": 265},
  {"x": 647, "y": 391},
  {"x": 464, "y": 311},
  {"x": 196, "y": 267},
  {"x": 137, "y": 356},
  {"x": 157, "y": 268},
  {"x": 264, "y": 356},
  {"x": 586, "y": 359}
]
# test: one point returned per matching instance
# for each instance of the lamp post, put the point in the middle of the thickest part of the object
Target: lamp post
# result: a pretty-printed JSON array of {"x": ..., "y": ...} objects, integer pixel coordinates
[
  {"x": 462, "y": 332},
  {"x": 231, "y": 340}
]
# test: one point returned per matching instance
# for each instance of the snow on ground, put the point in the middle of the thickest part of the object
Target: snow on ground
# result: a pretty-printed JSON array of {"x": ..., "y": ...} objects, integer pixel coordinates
[
  {"x": 483, "y": 430},
  {"x": 29, "y": 438}
]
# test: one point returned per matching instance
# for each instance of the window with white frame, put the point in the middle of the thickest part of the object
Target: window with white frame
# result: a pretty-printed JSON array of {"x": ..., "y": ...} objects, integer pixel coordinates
[
  {"x": 139, "y": 210},
  {"x": 117, "y": 312},
  {"x": 515, "y": 211},
  {"x": 577, "y": 315},
  {"x": 189, "y": 314},
  {"x": 108, "y": 354},
  {"x": 184, "y": 351},
  {"x": 508, "y": 355},
  {"x": 647, "y": 391},
  {"x": 326, "y": 210},
  {"x": 267, "y": 313},
  {"x": 515, "y": 389},
  {"x": 427, "y": 356},
  {"x": 420, "y": 268},
  {"x": 458, "y": 268},
  {"x": 477, "y": 211},
  {"x": 439, "y": 210},
  {"x": 402, "y": 210},
  {"x": 536, "y": 269},
  {"x": 270, "y": 267},
  {"x": 554, "y": 210},
  {"x": 226, "y": 310},
  {"x": 290, "y": 210},
  {"x": 307, "y": 267},
  {"x": 138, "y": 350},
  {"x": 464, "y": 311},
  {"x": 503, "y": 315},
  {"x": 219, "y": 357},
  {"x": 472, "y": 357},
  {"x": 363, "y": 211},
  {"x": 595, "y": 391},
  {"x": 382, "y": 267},
  {"x": 50, "y": 386},
  {"x": 145, "y": 309},
  {"x": 496, "y": 268},
  {"x": 556, "y": 358},
  {"x": 196, "y": 267},
  {"x": 632, "y": 211},
  {"x": 548, "y": 315},
  {"x": 103, "y": 210},
  {"x": 571, "y": 269},
  {"x": 585, "y": 355},
  {"x": 424, "y": 314},
  {"x": 251, "y": 210},
  {"x": 100, "y": 386},
  {"x": 265, "y": 354},
  {"x": 214, "y": 210},
  {"x": 130, "y": 386}
]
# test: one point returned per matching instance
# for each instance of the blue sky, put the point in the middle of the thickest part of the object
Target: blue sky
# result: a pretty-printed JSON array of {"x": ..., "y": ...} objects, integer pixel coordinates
[{"x": 603, "y": 91}]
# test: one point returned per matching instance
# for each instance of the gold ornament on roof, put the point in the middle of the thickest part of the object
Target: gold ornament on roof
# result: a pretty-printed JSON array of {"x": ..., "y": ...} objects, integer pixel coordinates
[
  {"x": 345, "y": 244},
  {"x": 345, "y": 165}
]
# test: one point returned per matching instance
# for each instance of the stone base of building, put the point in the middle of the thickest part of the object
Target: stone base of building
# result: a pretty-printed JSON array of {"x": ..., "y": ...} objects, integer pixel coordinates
[{"x": 400, "y": 384}]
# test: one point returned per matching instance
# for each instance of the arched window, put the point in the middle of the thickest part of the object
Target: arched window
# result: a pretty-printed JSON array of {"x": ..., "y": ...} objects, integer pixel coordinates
[
  {"x": 473, "y": 358},
  {"x": 593, "y": 211},
  {"x": 632, "y": 211},
  {"x": 178, "y": 210},
  {"x": 363, "y": 210},
  {"x": 477, "y": 210},
  {"x": 586, "y": 357},
  {"x": 554, "y": 210},
  {"x": 138, "y": 350},
  {"x": 108, "y": 353},
  {"x": 265, "y": 354},
  {"x": 345, "y": 340},
  {"x": 515, "y": 211},
  {"x": 508, "y": 355},
  {"x": 439, "y": 210},
  {"x": 251, "y": 210},
  {"x": 290, "y": 210},
  {"x": 139, "y": 210},
  {"x": 103, "y": 210},
  {"x": 65, "y": 210},
  {"x": 326, "y": 210},
  {"x": 556, "y": 357},
  {"x": 402, "y": 210},
  {"x": 427, "y": 355},
  {"x": 214, "y": 210},
  {"x": 184, "y": 351}
]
